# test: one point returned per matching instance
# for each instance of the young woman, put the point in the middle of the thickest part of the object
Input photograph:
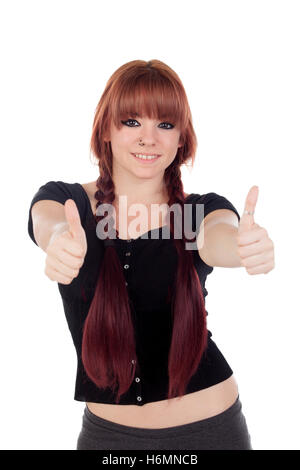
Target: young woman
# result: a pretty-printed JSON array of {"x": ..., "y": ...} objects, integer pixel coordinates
[{"x": 132, "y": 290}]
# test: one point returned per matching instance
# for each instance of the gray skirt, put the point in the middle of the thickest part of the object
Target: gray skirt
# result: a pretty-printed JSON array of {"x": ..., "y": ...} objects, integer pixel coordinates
[{"x": 225, "y": 431}]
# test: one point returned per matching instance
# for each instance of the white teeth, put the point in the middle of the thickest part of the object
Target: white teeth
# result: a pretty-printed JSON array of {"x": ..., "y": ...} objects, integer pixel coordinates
[{"x": 145, "y": 157}]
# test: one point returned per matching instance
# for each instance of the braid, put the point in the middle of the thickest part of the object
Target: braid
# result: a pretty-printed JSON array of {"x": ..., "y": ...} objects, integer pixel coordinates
[{"x": 105, "y": 194}]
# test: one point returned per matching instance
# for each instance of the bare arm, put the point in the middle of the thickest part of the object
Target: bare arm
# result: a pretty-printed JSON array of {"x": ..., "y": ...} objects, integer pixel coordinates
[
  {"x": 220, "y": 239},
  {"x": 48, "y": 219},
  {"x": 221, "y": 249}
]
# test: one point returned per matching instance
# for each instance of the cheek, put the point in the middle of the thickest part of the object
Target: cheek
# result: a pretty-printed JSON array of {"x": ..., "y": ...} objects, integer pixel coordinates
[
  {"x": 121, "y": 143},
  {"x": 126, "y": 138},
  {"x": 169, "y": 143}
]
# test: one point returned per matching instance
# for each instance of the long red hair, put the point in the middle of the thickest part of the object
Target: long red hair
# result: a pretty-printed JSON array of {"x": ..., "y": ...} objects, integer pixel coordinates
[{"x": 154, "y": 90}]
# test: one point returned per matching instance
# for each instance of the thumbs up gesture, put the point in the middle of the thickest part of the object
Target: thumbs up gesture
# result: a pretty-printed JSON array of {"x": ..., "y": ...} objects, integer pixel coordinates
[
  {"x": 76, "y": 231},
  {"x": 66, "y": 250},
  {"x": 255, "y": 248}
]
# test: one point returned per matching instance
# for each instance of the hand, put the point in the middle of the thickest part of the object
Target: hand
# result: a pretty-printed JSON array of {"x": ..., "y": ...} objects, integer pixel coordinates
[
  {"x": 66, "y": 250},
  {"x": 255, "y": 248}
]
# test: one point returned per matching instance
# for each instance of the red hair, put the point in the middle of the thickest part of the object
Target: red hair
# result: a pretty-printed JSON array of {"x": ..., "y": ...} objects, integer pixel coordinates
[{"x": 154, "y": 90}]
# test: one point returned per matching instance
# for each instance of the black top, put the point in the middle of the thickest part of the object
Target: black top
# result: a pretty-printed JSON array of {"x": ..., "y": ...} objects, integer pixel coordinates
[{"x": 149, "y": 268}]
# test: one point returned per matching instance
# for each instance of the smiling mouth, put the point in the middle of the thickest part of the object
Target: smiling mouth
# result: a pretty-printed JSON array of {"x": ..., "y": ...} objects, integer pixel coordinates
[{"x": 146, "y": 160}]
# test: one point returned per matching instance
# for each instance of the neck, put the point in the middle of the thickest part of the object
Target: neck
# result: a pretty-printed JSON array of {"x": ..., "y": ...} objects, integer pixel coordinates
[{"x": 141, "y": 190}]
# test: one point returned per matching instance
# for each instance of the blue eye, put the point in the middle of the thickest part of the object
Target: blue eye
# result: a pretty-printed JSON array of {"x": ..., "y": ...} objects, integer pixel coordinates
[{"x": 132, "y": 120}]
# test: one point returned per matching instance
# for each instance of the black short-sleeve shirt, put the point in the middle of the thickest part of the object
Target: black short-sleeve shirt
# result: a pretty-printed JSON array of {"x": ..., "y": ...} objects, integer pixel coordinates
[{"x": 149, "y": 264}]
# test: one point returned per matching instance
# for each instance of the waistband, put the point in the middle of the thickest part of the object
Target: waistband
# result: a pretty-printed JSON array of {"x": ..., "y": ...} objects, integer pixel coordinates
[{"x": 196, "y": 426}]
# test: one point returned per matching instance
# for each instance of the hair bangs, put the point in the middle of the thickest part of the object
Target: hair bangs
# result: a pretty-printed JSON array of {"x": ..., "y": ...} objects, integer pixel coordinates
[{"x": 148, "y": 96}]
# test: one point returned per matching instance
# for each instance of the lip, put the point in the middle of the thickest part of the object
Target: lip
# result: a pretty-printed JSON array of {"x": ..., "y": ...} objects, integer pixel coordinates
[
  {"x": 148, "y": 162},
  {"x": 145, "y": 153}
]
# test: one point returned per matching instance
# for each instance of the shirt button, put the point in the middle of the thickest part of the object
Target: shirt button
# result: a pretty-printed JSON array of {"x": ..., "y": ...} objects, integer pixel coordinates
[
  {"x": 137, "y": 379},
  {"x": 128, "y": 241},
  {"x": 128, "y": 253},
  {"x": 133, "y": 361},
  {"x": 126, "y": 283},
  {"x": 126, "y": 266},
  {"x": 138, "y": 398}
]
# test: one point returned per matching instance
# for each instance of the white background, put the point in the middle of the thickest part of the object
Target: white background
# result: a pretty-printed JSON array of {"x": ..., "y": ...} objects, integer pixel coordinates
[{"x": 239, "y": 64}]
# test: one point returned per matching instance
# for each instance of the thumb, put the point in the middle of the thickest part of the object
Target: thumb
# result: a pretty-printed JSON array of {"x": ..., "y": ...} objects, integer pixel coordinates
[
  {"x": 247, "y": 220},
  {"x": 73, "y": 218}
]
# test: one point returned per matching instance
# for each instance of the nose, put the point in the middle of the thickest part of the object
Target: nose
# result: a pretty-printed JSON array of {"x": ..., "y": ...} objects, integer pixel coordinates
[{"x": 147, "y": 135}]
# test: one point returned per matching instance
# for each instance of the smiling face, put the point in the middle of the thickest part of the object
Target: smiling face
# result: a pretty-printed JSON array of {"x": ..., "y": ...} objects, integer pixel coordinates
[{"x": 159, "y": 138}]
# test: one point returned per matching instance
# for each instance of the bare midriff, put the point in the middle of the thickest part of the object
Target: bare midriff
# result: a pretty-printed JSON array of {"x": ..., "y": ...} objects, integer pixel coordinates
[{"x": 191, "y": 407}]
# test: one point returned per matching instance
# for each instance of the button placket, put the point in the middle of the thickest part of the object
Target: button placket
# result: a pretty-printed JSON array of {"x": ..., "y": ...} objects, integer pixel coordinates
[
  {"x": 138, "y": 383},
  {"x": 127, "y": 254}
]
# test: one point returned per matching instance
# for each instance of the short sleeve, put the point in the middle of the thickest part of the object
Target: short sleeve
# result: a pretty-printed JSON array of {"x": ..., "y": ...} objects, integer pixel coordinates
[
  {"x": 211, "y": 202},
  {"x": 58, "y": 191}
]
